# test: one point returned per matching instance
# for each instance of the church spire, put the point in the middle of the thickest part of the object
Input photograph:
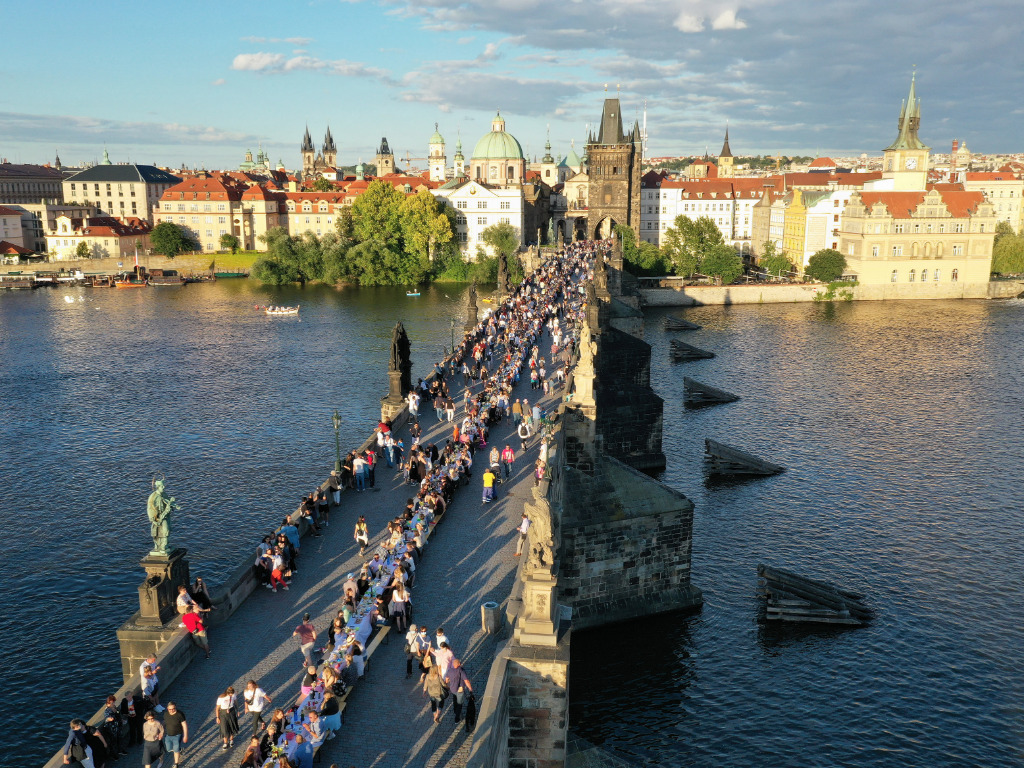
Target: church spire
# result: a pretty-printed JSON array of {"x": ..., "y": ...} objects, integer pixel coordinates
[
  {"x": 329, "y": 142},
  {"x": 307, "y": 142},
  {"x": 910, "y": 121},
  {"x": 726, "y": 152}
]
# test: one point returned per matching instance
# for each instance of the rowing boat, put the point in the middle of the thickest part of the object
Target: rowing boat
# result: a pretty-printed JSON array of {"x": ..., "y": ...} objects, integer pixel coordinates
[{"x": 282, "y": 310}]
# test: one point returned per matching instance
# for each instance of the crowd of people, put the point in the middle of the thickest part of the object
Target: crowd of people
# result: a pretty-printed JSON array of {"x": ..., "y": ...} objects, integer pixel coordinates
[{"x": 494, "y": 356}]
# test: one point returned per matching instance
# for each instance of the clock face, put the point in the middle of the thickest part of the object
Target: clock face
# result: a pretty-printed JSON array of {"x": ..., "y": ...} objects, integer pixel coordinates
[{"x": 911, "y": 163}]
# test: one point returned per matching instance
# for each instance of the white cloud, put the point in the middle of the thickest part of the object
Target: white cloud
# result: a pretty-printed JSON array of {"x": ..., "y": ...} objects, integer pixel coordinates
[
  {"x": 727, "y": 20},
  {"x": 219, "y": 81},
  {"x": 258, "y": 62},
  {"x": 689, "y": 23}
]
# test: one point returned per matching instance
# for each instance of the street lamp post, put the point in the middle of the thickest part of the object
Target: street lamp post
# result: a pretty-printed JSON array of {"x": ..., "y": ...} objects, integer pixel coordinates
[
  {"x": 453, "y": 335},
  {"x": 337, "y": 445}
]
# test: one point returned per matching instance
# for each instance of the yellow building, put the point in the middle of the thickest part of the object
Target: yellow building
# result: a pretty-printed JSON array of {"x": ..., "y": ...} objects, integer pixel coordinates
[
  {"x": 934, "y": 236},
  {"x": 914, "y": 238},
  {"x": 794, "y": 230}
]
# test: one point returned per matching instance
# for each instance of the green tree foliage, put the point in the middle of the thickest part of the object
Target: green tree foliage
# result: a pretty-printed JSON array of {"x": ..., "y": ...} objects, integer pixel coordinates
[
  {"x": 690, "y": 241},
  {"x": 83, "y": 251},
  {"x": 502, "y": 238},
  {"x": 229, "y": 242},
  {"x": 323, "y": 185},
  {"x": 377, "y": 215},
  {"x": 170, "y": 239},
  {"x": 1008, "y": 253},
  {"x": 772, "y": 260},
  {"x": 826, "y": 265},
  {"x": 1003, "y": 228},
  {"x": 425, "y": 225},
  {"x": 723, "y": 262},
  {"x": 642, "y": 258}
]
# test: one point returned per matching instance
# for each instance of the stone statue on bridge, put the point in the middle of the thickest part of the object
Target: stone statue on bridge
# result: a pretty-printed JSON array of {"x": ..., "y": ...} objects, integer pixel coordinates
[
  {"x": 401, "y": 361},
  {"x": 158, "y": 509}
]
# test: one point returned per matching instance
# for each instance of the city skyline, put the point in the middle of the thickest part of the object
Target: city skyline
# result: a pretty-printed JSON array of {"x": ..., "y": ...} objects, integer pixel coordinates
[{"x": 782, "y": 80}]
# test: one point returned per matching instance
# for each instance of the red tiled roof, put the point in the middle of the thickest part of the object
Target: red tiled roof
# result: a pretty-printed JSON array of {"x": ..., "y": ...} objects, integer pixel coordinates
[
  {"x": 823, "y": 162},
  {"x": 219, "y": 188},
  {"x": 810, "y": 179},
  {"x": 902, "y": 205},
  {"x": 979, "y": 176},
  {"x": 10, "y": 249},
  {"x": 10, "y": 212}
]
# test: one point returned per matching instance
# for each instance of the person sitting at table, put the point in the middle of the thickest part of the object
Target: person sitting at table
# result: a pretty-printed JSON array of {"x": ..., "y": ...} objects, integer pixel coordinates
[
  {"x": 409, "y": 565},
  {"x": 379, "y": 614},
  {"x": 308, "y": 681},
  {"x": 348, "y": 608},
  {"x": 302, "y": 755},
  {"x": 374, "y": 565},
  {"x": 253, "y": 757},
  {"x": 356, "y": 649},
  {"x": 350, "y": 672},
  {"x": 400, "y": 576},
  {"x": 333, "y": 631},
  {"x": 363, "y": 582},
  {"x": 277, "y": 721},
  {"x": 420, "y": 541},
  {"x": 330, "y": 711},
  {"x": 314, "y": 730}
]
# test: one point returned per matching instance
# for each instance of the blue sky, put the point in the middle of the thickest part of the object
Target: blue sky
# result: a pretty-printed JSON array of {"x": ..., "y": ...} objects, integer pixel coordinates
[{"x": 198, "y": 83}]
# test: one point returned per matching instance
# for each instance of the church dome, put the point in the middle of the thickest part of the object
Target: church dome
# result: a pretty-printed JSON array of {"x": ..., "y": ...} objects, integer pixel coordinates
[
  {"x": 437, "y": 138},
  {"x": 498, "y": 145}
]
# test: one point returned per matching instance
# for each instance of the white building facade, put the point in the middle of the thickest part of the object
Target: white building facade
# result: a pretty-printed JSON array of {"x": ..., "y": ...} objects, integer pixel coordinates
[{"x": 477, "y": 206}]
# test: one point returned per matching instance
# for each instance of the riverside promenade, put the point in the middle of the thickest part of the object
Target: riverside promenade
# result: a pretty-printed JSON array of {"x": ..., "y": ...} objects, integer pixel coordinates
[{"x": 469, "y": 559}]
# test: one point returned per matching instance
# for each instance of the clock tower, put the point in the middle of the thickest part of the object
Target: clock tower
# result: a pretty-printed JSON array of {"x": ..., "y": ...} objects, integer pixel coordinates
[{"x": 905, "y": 161}]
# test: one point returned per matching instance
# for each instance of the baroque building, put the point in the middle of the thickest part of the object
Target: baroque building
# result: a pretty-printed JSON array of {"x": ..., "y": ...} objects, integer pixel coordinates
[
  {"x": 498, "y": 157},
  {"x": 613, "y": 166},
  {"x": 385, "y": 159}
]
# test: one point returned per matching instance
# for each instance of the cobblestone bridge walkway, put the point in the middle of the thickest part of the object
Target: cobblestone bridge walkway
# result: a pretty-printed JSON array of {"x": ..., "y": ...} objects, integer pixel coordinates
[{"x": 469, "y": 559}]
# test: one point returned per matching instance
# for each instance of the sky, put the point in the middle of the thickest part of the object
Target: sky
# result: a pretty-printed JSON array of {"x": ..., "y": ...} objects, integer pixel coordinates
[{"x": 198, "y": 83}]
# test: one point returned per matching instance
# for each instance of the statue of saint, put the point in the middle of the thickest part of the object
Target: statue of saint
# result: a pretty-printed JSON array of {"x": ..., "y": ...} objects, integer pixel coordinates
[
  {"x": 472, "y": 294},
  {"x": 159, "y": 508},
  {"x": 395, "y": 363},
  {"x": 502, "y": 274}
]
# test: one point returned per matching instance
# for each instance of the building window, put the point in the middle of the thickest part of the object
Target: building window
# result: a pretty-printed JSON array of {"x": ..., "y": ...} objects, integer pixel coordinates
[
  {"x": 462, "y": 237},
  {"x": 956, "y": 273},
  {"x": 897, "y": 251},
  {"x": 958, "y": 228},
  {"x": 958, "y": 250},
  {"x": 874, "y": 251},
  {"x": 481, "y": 220},
  {"x": 506, "y": 205},
  {"x": 481, "y": 203},
  {"x": 924, "y": 275},
  {"x": 220, "y": 207},
  {"x": 849, "y": 249},
  {"x": 936, "y": 278},
  {"x": 942, "y": 228},
  {"x": 895, "y": 276},
  {"x": 222, "y": 219},
  {"x": 460, "y": 204},
  {"x": 912, "y": 274},
  {"x": 898, "y": 229},
  {"x": 917, "y": 227},
  {"x": 505, "y": 220}
]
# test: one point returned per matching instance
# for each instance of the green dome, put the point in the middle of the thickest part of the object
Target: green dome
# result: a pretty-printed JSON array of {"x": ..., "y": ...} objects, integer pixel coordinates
[
  {"x": 498, "y": 145},
  {"x": 437, "y": 138}
]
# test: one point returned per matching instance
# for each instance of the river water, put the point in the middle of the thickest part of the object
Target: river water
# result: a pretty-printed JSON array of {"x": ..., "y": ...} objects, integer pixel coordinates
[
  {"x": 897, "y": 421},
  {"x": 899, "y": 424},
  {"x": 231, "y": 406}
]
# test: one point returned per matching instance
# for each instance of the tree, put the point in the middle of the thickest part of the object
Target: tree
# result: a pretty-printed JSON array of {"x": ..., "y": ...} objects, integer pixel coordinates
[
  {"x": 690, "y": 241},
  {"x": 83, "y": 251},
  {"x": 1003, "y": 228},
  {"x": 1008, "y": 254},
  {"x": 425, "y": 225},
  {"x": 502, "y": 237},
  {"x": 229, "y": 243},
  {"x": 723, "y": 262},
  {"x": 826, "y": 265},
  {"x": 170, "y": 239},
  {"x": 773, "y": 261},
  {"x": 323, "y": 185},
  {"x": 377, "y": 215}
]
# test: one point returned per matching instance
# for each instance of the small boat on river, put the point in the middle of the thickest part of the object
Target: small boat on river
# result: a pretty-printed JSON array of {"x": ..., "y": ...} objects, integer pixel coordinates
[
  {"x": 282, "y": 310},
  {"x": 126, "y": 283},
  {"x": 410, "y": 293}
]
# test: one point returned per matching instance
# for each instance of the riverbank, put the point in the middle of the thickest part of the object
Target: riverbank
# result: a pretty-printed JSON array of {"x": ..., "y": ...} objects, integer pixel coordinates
[{"x": 767, "y": 293}]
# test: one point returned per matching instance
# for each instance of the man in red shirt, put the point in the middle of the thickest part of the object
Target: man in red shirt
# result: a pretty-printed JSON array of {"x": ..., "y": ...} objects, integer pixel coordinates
[{"x": 194, "y": 624}]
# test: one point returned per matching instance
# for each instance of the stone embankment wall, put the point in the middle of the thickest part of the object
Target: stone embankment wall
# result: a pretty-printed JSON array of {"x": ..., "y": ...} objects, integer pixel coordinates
[
  {"x": 711, "y": 295},
  {"x": 185, "y": 264}
]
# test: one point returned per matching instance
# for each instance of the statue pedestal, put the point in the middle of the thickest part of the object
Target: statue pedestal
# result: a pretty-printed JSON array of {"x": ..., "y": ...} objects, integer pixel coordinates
[
  {"x": 159, "y": 592},
  {"x": 472, "y": 316},
  {"x": 537, "y": 625}
]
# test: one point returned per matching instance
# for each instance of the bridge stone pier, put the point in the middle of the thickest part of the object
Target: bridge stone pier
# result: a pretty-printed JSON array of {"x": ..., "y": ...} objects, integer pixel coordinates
[{"x": 607, "y": 543}]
